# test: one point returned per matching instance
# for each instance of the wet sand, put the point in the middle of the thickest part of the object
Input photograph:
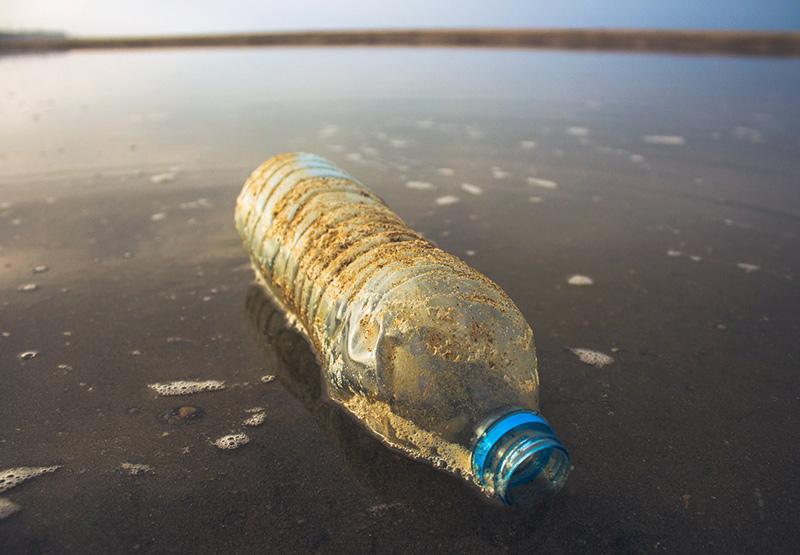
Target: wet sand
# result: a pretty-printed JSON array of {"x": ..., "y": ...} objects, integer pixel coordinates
[{"x": 669, "y": 182}]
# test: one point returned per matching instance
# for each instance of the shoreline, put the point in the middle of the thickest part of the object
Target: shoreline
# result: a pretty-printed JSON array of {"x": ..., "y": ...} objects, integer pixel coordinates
[{"x": 736, "y": 43}]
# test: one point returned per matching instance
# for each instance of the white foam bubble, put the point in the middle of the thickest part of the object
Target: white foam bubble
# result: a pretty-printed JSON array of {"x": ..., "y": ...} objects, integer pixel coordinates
[
  {"x": 194, "y": 204},
  {"x": 595, "y": 358},
  {"x": 158, "y": 216},
  {"x": 27, "y": 355},
  {"x": 664, "y": 140},
  {"x": 232, "y": 441},
  {"x": 673, "y": 252},
  {"x": 268, "y": 378},
  {"x": 40, "y": 269},
  {"x": 134, "y": 469},
  {"x": 535, "y": 200},
  {"x": 184, "y": 387},
  {"x": 328, "y": 130},
  {"x": 446, "y": 171},
  {"x": 354, "y": 157},
  {"x": 580, "y": 280},
  {"x": 527, "y": 145},
  {"x": 256, "y": 420},
  {"x": 14, "y": 476},
  {"x": 470, "y": 253},
  {"x": 419, "y": 185},
  {"x": 28, "y": 287},
  {"x": 165, "y": 177},
  {"x": 497, "y": 173},
  {"x": 471, "y": 189},
  {"x": 577, "y": 131},
  {"x": 398, "y": 143},
  {"x": 748, "y": 267},
  {"x": 637, "y": 158},
  {"x": 7, "y": 508},
  {"x": 447, "y": 200},
  {"x": 543, "y": 183}
]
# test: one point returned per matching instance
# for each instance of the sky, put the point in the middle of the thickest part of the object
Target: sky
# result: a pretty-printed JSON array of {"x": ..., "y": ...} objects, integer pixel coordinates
[{"x": 159, "y": 17}]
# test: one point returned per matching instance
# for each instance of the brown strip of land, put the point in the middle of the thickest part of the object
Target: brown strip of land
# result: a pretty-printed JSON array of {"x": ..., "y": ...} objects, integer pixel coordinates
[{"x": 740, "y": 43}]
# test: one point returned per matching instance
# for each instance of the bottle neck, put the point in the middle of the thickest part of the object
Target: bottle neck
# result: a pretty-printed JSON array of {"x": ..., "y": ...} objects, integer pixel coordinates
[{"x": 519, "y": 459}]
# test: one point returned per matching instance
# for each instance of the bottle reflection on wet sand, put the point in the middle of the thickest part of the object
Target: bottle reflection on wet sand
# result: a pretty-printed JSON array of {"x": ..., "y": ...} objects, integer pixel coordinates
[{"x": 393, "y": 478}]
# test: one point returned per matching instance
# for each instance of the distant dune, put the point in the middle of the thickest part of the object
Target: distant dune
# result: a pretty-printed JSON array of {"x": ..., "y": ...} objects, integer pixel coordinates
[{"x": 742, "y": 43}]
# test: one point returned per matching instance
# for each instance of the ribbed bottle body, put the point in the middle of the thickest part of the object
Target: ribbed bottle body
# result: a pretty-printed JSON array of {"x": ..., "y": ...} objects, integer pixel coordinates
[{"x": 416, "y": 344}]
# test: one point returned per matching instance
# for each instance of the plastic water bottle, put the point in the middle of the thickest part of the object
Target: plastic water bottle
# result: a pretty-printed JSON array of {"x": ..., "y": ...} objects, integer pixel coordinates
[{"x": 429, "y": 354}]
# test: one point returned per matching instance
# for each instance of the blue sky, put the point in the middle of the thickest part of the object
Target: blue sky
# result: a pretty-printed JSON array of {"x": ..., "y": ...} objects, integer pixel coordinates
[{"x": 114, "y": 17}]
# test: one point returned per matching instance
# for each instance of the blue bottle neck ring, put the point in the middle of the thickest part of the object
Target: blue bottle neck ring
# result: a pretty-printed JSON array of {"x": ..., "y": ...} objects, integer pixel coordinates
[{"x": 519, "y": 459}]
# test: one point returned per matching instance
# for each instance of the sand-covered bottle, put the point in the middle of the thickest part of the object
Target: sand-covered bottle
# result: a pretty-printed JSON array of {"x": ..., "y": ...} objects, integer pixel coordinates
[{"x": 429, "y": 354}]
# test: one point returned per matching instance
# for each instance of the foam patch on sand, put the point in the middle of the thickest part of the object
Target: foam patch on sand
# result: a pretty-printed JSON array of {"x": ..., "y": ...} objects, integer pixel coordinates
[
  {"x": 15, "y": 476},
  {"x": 186, "y": 387},
  {"x": 232, "y": 441},
  {"x": 594, "y": 358}
]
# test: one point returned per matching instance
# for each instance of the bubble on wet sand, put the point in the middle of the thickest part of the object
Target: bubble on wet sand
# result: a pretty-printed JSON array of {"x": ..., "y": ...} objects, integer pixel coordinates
[
  {"x": 257, "y": 419},
  {"x": 158, "y": 216},
  {"x": 328, "y": 130},
  {"x": 637, "y": 158},
  {"x": 194, "y": 204},
  {"x": 7, "y": 508},
  {"x": 747, "y": 267},
  {"x": 135, "y": 469},
  {"x": 527, "y": 145},
  {"x": 14, "y": 476},
  {"x": 543, "y": 183},
  {"x": 27, "y": 355},
  {"x": 673, "y": 253},
  {"x": 577, "y": 131},
  {"x": 673, "y": 140},
  {"x": 232, "y": 441},
  {"x": 594, "y": 358},
  {"x": 578, "y": 279},
  {"x": 471, "y": 189},
  {"x": 497, "y": 173},
  {"x": 446, "y": 171},
  {"x": 470, "y": 253},
  {"x": 268, "y": 378},
  {"x": 28, "y": 287},
  {"x": 165, "y": 177},
  {"x": 535, "y": 200},
  {"x": 398, "y": 143},
  {"x": 447, "y": 200},
  {"x": 419, "y": 185},
  {"x": 40, "y": 269},
  {"x": 184, "y": 387}
]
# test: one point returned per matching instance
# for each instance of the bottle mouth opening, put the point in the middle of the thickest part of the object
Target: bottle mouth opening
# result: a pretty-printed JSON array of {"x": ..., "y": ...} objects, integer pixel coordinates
[{"x": 520, "y": 460}]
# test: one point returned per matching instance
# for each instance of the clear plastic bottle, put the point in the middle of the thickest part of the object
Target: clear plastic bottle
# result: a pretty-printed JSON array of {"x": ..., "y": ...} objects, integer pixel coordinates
[{"x": 429, "y": 354}]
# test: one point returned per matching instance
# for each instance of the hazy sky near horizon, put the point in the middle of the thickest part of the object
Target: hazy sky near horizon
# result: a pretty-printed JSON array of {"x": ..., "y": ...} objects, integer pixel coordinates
[{"x": 145, "y": 17}]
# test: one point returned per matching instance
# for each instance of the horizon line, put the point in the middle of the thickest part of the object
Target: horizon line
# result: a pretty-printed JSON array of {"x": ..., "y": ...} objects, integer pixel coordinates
[{"x": 676, "y": 41}]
